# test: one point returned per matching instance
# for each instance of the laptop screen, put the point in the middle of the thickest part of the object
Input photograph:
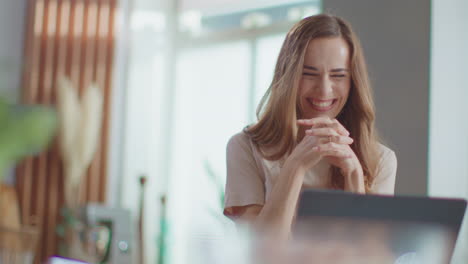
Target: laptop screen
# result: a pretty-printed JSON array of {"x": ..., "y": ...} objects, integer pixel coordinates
[{"x": 379, "y": 229}]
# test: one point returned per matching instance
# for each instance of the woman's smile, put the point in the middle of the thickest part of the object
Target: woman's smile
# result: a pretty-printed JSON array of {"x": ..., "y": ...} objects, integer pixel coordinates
[{"x": 321, "y": 105}]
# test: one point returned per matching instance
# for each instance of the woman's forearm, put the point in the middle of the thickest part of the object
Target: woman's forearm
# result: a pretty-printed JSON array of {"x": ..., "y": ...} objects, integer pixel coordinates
[
  {"x": 278, "y": 212},
  {"x": 354, "y": 181}
]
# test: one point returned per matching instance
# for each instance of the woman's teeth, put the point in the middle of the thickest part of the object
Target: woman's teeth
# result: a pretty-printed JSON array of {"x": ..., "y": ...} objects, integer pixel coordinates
[{"x": 322, "y": 103}]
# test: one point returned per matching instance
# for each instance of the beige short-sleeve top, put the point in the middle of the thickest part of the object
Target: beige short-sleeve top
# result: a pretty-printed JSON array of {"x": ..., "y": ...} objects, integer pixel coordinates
[{"x": 250, "y": 177}]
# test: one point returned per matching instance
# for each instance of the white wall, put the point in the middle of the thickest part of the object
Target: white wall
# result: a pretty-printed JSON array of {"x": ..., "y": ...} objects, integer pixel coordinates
[
  {"x": 12, "y": 19},
  {"x": 448, "y": 140},
  {"x": 448, "y": 135}
]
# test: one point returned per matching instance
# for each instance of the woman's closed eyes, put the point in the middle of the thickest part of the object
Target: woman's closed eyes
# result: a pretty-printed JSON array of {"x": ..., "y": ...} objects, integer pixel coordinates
[{"x": 317, "y": 75}]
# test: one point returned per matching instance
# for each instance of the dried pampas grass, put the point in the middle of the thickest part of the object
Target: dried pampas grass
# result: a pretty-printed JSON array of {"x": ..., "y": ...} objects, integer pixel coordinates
[{"x": 79, "y": 130}]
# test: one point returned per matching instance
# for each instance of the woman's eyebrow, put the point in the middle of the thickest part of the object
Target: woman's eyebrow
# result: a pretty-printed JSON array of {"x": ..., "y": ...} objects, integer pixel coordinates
[
  {"x": 339, "y": 70},
  {"x": 310, "y": 68},
  {"x": 333, "y": 70}
]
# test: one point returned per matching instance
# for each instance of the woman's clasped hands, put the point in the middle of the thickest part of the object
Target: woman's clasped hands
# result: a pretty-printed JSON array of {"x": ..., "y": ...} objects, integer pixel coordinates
[{"x": 326, "y": 138}]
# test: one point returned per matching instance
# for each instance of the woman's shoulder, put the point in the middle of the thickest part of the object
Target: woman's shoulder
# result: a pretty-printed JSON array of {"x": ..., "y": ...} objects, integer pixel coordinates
[
  {"x": 241, "y": 142},
  {"x": 383, "y": 149},
  {"x": 386, "y": 154},
  {"x": 240, "y": 138}
]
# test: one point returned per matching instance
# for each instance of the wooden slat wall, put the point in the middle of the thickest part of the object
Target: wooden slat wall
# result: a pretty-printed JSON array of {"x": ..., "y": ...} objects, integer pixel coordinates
[{"x": 74, "y": 38}]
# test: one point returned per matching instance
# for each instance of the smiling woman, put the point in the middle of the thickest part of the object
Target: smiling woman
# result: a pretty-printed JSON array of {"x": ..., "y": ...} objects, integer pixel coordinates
[{"x": 315, "y": 130}]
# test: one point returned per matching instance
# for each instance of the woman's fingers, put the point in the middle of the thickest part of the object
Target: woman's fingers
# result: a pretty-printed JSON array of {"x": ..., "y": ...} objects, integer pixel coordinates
[
  {"x": 324, "y": 122},
  {"x": 323, "y": 131},
  {"x": 333, "y": 150},
  {"x": 337, "y": 126},
  {"x": 327, "y": 135},
  {"x": 315, "y": 121},
  {"x": 336, "y": 139}
]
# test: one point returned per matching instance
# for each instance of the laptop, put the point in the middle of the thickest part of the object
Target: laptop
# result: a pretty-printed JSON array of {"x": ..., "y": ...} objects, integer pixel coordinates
[{"x": 381, "y": 229}]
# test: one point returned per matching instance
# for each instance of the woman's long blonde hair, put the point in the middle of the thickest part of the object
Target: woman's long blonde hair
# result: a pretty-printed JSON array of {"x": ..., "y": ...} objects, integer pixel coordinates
[{"x": 275, "y": 133}]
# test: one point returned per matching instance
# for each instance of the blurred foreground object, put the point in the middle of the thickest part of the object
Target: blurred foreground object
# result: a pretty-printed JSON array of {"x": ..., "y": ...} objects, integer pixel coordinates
[
  {"x": 17, "y": 246},
  {"x": 341, "y": 245},
  {"x": 59, "y": 260},
  {"x": 24, "y": 130}
]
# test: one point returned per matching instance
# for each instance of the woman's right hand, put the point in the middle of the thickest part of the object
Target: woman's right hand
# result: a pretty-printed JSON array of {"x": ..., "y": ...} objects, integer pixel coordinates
[{"x": 305, "y": 154}]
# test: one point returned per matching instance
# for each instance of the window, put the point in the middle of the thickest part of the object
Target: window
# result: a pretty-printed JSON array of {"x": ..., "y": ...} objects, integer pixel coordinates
[{"x": 188, "y": 92}]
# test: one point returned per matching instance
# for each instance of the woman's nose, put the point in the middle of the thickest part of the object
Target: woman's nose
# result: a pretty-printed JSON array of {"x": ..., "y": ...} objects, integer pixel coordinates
[{"x": 325, "y": 86}]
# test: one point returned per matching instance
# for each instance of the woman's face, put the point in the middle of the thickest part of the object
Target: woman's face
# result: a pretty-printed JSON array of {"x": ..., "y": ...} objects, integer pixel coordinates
[{"x": 326, "y": 79}]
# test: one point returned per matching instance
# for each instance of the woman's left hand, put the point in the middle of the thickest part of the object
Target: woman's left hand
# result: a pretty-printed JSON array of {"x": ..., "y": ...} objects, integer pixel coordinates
[
  {"x": 333, "y": 147},
  {"x": 347, "y": 165}
]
